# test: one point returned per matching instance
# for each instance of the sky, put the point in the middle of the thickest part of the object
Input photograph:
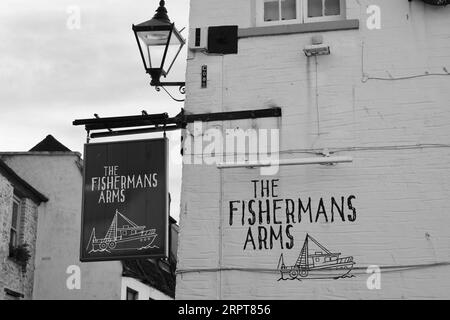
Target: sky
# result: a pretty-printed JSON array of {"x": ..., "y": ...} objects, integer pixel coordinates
[{"x": 55, "y": 68}]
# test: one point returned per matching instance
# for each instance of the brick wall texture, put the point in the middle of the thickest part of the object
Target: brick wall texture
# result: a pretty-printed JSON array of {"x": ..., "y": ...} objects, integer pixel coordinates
[{"x": 382, "y": 97}]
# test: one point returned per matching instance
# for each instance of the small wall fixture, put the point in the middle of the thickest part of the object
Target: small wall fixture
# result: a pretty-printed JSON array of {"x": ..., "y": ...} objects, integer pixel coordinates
[
  {"x": 288, "y": 162},
  {"x": 317, "y": 48}
]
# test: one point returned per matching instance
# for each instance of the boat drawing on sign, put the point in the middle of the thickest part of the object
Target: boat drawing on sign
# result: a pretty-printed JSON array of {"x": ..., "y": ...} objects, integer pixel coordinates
[
  {"x": 123, "y": 234},
  {"x": 316, "y": 263}
]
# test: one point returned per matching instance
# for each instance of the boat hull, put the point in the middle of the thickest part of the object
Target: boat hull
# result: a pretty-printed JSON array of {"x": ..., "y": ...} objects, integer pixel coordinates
[
  {"x": 134, "y": 243},
  {"x": 329, "y": 272}
]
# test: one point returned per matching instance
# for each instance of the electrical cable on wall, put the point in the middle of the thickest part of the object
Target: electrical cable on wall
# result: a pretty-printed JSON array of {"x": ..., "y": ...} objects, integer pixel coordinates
[
  {"x": 426, "y": 74},
  {"x": 219, "y": 289},
  {"x": 347, "y": 149},
  {"x": 317, "y": 97},
  {"x": 361, "y": 269},
  {"x": 366, "y": 77},
  {"x": 378, "y": 148}
]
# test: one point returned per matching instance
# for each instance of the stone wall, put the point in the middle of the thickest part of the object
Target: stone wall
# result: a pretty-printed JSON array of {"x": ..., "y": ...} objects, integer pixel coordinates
[{"x": 12, "y": 275}]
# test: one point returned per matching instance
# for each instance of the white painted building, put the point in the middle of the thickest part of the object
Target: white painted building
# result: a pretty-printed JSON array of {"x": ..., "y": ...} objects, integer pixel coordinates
[{"x": 380, "y": 97}]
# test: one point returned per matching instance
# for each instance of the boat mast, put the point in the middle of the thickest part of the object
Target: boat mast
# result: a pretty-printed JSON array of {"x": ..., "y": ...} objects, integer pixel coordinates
[
  {"x": 281, "y": 264},
  {"x": 134, "y": 225},
  {"x": 92, "y": 238},
  {"x": 303, "y": 257},
  {"x": 112, "y": 231},
  {"x": 319, "y": 245},
  {"x": 115, "y": 225}
]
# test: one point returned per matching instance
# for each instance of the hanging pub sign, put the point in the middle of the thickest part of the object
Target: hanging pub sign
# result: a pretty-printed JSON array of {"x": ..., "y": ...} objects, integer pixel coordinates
[{"x": 125, "y": 201}]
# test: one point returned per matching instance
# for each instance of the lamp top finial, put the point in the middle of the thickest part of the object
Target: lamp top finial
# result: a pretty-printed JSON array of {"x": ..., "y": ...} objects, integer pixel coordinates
[{"x": 161, "y": 12}]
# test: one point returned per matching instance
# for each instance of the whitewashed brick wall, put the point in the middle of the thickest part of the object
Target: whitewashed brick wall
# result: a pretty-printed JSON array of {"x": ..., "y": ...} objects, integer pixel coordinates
[{"x": 397, "y": 131}]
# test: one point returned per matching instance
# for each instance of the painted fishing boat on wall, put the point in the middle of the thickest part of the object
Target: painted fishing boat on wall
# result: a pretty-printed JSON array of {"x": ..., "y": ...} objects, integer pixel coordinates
[
  {"x": 318, "y": 264},
  {"x": 123, "y": 234}
]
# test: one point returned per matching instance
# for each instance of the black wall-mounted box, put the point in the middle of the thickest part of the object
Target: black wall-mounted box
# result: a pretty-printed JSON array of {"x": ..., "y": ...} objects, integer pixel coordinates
[{"x": 223, "y": 39}]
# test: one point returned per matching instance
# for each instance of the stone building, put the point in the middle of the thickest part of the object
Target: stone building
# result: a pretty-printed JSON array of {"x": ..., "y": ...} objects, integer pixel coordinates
[
  {"x": 58, "y": 274},
  {"x": 19, "y": 211},
  {"x": 365, "y": 80}
]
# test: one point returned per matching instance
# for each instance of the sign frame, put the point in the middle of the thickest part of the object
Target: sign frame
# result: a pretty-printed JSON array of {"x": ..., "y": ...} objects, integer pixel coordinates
[{"x": 165, "y": 255}]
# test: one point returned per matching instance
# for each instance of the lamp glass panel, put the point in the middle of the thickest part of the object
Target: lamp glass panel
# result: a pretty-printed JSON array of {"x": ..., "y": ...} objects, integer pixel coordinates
[
  {"x": 315, "y": 8},
  {"x": 154, "y": 38},
  {"x": 171, "y": 55},
  {"x": 288, "y": 9},
  {"x": 271, "y": 10},
  {"x": 153, "y": 44}
]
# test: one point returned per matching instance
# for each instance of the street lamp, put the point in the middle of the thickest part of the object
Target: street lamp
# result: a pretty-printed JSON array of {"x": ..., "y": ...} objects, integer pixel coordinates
[{"x": 159, "y": 43}]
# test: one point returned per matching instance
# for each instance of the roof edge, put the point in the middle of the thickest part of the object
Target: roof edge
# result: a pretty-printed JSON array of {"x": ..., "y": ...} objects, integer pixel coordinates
[
  {"x": 12, "y": 175},
  {"x": 40, "y": 153}
]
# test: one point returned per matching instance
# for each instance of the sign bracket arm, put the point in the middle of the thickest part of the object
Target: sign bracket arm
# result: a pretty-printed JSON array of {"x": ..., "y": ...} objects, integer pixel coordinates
[{"x": 151, "y": 123}]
